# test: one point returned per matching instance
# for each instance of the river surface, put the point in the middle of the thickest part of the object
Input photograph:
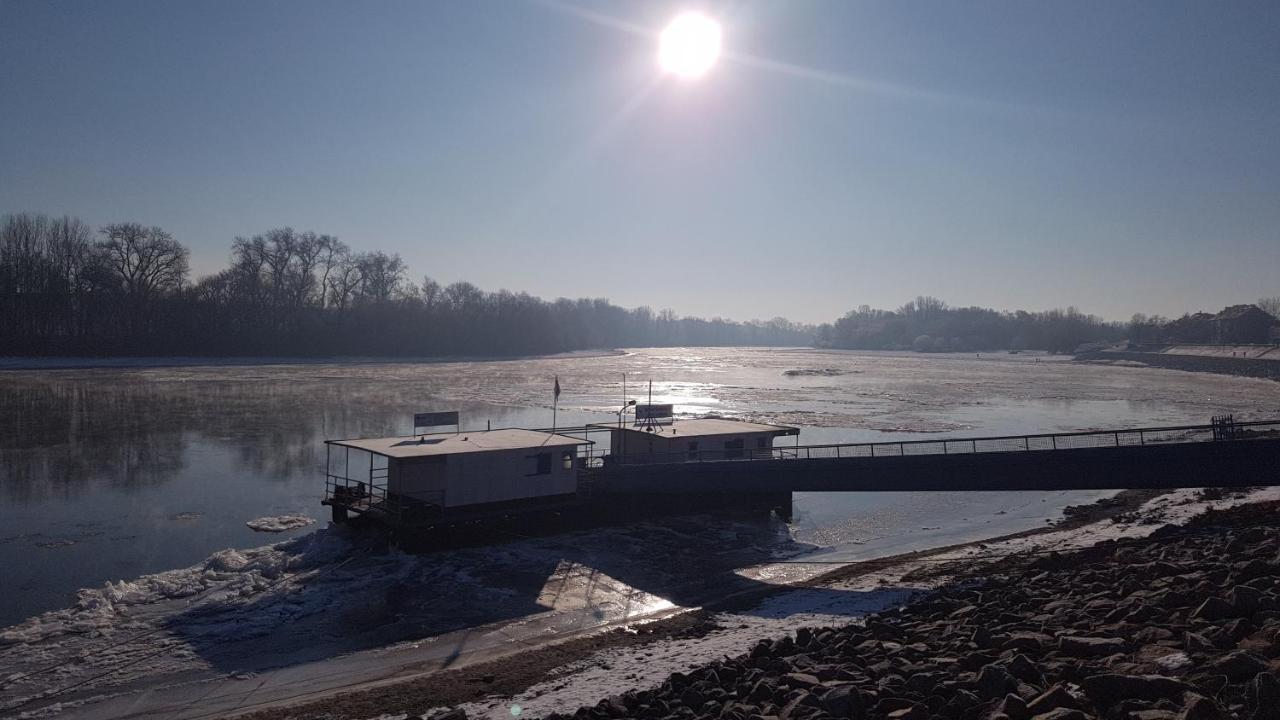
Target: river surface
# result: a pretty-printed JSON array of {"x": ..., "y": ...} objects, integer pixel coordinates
[{"x": 112, "y": 473}]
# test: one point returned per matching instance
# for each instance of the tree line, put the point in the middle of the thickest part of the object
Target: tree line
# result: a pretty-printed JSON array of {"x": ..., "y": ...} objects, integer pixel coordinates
[
  {"x": 1199, "y": 327},
  {"x": 126, "y": 289},
  {"x": 928, "y": 324}
]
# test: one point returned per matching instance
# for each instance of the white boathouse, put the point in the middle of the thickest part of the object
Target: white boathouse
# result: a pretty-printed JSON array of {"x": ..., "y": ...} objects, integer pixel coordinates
[{"x": 403, "y": 479}]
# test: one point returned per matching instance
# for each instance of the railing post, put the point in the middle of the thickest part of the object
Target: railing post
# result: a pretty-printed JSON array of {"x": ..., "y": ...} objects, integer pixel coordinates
[
  {"x": 974, "y": 443},
  {"x": 873, "y": 449},
  {"x": 1142, "y": 438},
  {"x": 837, "y": 452},
  {"x": 1117, "y": 439},
  {"x": 1055, "y": 441},
  {"x": 900, "y": 453},
  {"x": 1026, "y": 443}
]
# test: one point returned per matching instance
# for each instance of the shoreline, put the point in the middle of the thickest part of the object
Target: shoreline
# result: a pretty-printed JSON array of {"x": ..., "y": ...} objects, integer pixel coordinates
[
  {"x": 1179, "y": 623},
  {"x": 511, "y": 674},
  {"x": 1257, "y": 368},
  {"x": 30, "y": 363},
  {"x": 317, "y": 664},
  {"x": 537, "y": 666}
]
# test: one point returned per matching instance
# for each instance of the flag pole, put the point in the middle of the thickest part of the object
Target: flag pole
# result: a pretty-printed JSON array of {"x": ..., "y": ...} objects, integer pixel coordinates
[{"x": 555, "y": 404}]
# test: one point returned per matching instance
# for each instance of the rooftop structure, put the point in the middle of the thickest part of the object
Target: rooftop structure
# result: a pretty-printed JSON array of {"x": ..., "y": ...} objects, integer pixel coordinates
[
  {"x": 459, "y": 443},
  {"x": 692, "y": 439},
  {"x": 710, "y": 427}
]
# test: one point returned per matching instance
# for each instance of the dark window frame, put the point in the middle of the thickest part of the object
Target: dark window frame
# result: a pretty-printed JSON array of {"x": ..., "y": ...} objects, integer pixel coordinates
[{"x": 542, "y": 464}]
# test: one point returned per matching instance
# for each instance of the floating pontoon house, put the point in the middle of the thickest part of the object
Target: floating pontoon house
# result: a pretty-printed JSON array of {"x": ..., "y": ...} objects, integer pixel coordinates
[
  {"x": 549, "y": 478},
  {"x": 412, "y": 480}
]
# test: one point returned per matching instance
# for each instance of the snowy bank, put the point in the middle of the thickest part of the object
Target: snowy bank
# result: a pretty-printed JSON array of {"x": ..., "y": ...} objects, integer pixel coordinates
[
  {"x": 837, "y": 602},
  {"x": 353, "y": 610}
]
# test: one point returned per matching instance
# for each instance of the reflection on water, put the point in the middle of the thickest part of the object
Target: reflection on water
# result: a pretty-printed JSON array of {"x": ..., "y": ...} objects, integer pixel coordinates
[{"x": 112, "y": 473}]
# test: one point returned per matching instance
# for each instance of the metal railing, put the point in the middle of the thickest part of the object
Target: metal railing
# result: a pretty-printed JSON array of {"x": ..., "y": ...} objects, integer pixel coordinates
[
  {"x": 970, "y": 446},
  {"x": 364, "y": 496}
]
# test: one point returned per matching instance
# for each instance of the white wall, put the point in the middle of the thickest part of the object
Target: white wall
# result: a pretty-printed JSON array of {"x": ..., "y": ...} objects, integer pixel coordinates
[
  {"x": 473, "y": 478},
  {"x": 711, "y": 447},
  {"x": 422, "y": 478}
]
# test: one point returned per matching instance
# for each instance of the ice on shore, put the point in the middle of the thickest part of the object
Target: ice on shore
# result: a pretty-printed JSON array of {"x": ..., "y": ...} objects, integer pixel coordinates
[
  {"x": 202, "y": 624},
  {"x": 342, "y": 593},
  {"x": 279, "y": 523},
  {"x": 223, "y": 576}
]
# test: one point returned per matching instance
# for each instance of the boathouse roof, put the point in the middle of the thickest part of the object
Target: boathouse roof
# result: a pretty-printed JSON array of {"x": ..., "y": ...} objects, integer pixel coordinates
[
  {"x": 704, "y": 427},
  {"x": 459, "y": 443}
]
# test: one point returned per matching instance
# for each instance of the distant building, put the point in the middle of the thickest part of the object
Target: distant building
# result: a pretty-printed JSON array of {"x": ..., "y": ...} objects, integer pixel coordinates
[{"x": 1242, "y": 324}]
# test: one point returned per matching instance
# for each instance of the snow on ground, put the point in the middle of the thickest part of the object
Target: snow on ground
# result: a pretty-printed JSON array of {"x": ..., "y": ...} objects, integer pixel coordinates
[
  {"x": 221, "y": 619},
  {"x": 609, "y": 672},
  {"x": 150, "y": 624},
  {"x": 279, "y": 523}
]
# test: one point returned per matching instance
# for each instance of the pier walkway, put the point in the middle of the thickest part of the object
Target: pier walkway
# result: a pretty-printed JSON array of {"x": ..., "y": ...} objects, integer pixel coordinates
[{"x": 1222, "y": 454}]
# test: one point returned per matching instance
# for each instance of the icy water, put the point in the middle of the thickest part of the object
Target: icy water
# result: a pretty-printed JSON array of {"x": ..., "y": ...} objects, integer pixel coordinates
[{"x": 113, "y": 473}]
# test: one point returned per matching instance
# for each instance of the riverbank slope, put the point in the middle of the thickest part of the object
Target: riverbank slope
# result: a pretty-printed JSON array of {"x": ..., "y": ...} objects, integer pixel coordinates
[
  {"x": 1255, "y": 367},
  {"x": 648, "y": 670},
  {"x": 1184, "y": 623}
]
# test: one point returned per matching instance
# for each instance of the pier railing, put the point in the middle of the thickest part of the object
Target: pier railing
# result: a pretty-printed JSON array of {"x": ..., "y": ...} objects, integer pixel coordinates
[
  {"x": 372, "y": 497},
  {"x": 1216, "y": 432}
]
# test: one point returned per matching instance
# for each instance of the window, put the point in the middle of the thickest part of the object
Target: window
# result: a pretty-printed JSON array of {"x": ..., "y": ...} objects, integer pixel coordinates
[
  {"x": 543, "y": 461},
  {"x": 733, "y": 448},
  {"x": 566, "y": 461}
]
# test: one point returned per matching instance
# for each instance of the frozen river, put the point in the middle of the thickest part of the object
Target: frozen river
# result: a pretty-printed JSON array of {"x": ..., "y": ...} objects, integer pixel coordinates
[{"x": 113, "y": 473}]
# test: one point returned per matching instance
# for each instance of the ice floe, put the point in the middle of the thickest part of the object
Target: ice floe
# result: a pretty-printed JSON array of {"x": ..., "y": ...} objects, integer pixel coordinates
[{"x": 279, "y": 523}]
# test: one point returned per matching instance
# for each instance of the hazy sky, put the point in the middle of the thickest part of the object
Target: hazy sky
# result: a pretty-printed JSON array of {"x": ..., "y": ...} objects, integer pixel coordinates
[{"x": 1119, "y": 156}]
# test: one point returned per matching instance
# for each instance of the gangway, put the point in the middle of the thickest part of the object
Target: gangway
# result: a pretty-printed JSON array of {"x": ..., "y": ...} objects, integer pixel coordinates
[{"x": 1222, "y": 454}]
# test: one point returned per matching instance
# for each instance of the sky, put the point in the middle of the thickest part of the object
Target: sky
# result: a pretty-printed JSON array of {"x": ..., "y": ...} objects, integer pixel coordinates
[{"x": 1117, "y": 156}]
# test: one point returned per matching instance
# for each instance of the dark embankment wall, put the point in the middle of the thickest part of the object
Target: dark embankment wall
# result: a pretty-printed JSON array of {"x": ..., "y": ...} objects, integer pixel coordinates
[{"x": 1245, "y": 367}]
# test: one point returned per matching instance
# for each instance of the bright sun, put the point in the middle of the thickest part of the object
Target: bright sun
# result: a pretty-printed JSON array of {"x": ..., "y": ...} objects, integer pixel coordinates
[{"x": 689, "y": 45}]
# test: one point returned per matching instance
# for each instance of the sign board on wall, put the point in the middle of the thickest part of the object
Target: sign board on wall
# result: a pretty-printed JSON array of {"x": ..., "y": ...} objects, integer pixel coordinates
[{"x": 434, "y": 419}]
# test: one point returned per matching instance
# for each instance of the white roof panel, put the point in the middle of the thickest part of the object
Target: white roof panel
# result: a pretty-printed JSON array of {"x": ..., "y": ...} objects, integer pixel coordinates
[
  {"x": 458, "y": 443},
  {"x": 703, "y": 427}
]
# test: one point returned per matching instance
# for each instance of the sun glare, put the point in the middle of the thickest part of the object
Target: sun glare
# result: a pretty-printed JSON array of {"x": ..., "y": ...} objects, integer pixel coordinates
[{"x": 689, "y": 45}]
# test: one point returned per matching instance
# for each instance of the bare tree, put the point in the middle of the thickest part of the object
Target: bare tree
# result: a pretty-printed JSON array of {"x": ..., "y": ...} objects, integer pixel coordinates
[
  {"x": 431, "y": 293},
  {"x": 344, "y": 282},
  {"x": 279, "y": 247},
  {"x": 382, "y": 277},
  {"x": 21, "y": 253},
  {"x": 1271, "y": 305},
  {"x": 144, "y": 261},
  {"x": 68, "y": 246},
  {"x": 332, "y": 253}
]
